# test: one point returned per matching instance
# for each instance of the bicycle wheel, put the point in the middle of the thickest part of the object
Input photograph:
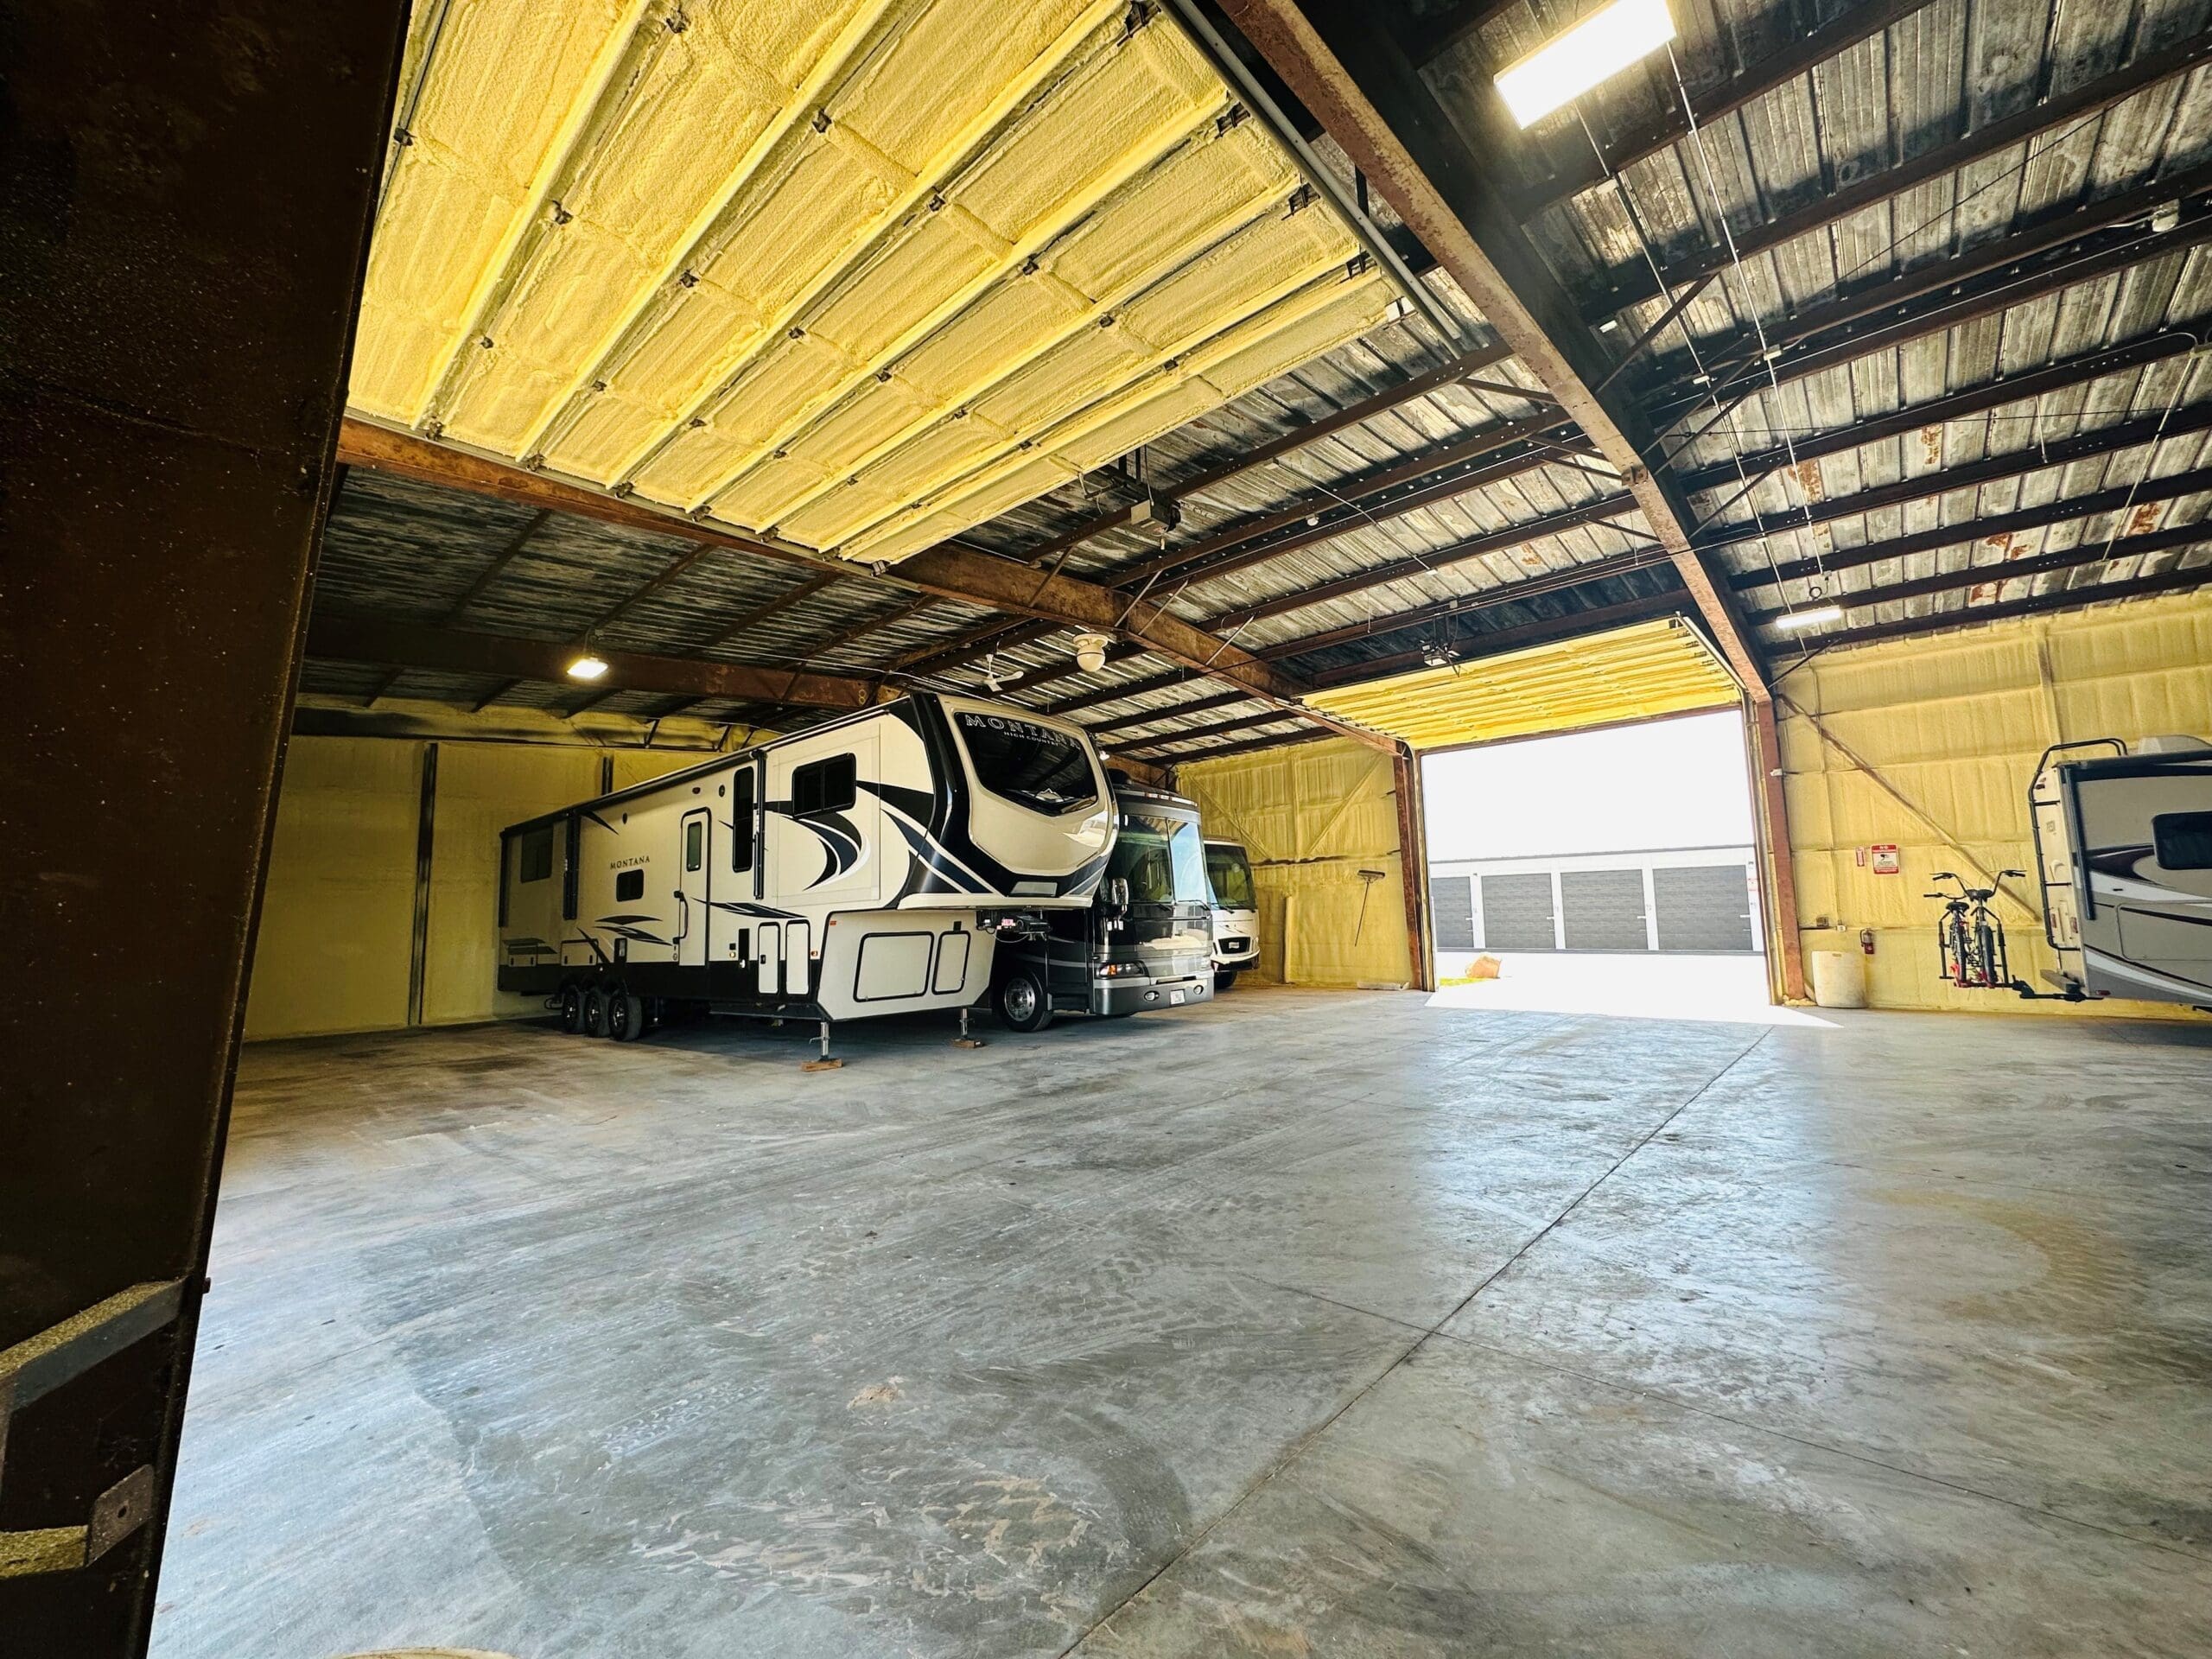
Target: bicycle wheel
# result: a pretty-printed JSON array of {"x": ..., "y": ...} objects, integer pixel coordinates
[{"x": 1984, "y": 955}]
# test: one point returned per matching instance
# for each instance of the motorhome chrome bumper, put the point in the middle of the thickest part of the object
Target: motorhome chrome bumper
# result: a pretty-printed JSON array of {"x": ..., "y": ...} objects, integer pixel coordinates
[{"x": 1132, "y": 994}]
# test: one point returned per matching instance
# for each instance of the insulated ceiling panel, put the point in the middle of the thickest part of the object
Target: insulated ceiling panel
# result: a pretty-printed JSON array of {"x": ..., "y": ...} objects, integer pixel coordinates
[
  {"x": 857, "y": 275},
  {"x": 1662, "y": 667}
]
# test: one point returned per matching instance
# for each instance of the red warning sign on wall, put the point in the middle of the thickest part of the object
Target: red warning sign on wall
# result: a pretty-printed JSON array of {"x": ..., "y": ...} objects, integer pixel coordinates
[{"x": 1885, "y": 859}]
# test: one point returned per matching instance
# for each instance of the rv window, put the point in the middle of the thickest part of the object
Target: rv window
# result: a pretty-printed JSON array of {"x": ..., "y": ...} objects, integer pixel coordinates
[
  {"x": 629, "y": 887},
  {"x": 1043, "y": 769},
  {"x": 740, "y": 820},
  {"x": 2184, "y": 840},
  {"x": 1162, "y": 859},
  {"x": 694, "y": 843},
  {"x": 1231, "y": 878},
  {"x": 535, "y": 861},
  {"x": 823, "y": 785}
]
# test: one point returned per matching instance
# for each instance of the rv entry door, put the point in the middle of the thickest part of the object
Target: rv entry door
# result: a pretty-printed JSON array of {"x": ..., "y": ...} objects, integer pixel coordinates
[{"x": 694, "y": 917}]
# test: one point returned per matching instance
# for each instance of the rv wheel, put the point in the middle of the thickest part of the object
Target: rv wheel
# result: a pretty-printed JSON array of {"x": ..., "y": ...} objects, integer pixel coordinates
[
  {"x": 1021, "y": 1002},
  {"x": 1224, "y": 979},
  {"x": 595, "y": 1012},
  {"x": 626, "y": 1014},
  {"x": 572, "y": 1008}
]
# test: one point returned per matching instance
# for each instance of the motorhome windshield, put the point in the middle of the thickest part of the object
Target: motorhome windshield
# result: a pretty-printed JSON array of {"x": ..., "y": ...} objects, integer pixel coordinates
[
  {"x": 1231, "y": 878},
  {"x": 1045, "y": 770},
  {"x": 1161, "y": 860}
]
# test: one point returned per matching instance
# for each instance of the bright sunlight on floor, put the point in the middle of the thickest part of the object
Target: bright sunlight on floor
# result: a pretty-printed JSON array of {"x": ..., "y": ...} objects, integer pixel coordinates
[{"x": 1650, "y": 987}]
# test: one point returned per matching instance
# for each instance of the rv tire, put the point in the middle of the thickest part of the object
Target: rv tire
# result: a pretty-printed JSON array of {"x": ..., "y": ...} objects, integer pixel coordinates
[
  {"x": 1224, "y": 979},
  {"x": 625, "y": 1013},
  {"x": 595, "y": 1012},
  {"x": 572, "y": 1008},
  {"x": 1020, "y": 1001}
]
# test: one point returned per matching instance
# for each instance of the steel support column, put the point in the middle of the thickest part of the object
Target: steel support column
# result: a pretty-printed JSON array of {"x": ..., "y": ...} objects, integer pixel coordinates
[
  {"x": 187, "y": 200},
  {"x": 1413, "y": 866},
  {"x": 1776, "y": 861}
]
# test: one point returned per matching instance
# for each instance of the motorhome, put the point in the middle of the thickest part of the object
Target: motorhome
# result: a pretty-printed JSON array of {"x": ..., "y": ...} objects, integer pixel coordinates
[
  {"x": 1235, "y": 911},
  {"x": 869, "y": 866},
  {"x": 2124, "y": 852},
  {"x": 1145, "y": 942}
]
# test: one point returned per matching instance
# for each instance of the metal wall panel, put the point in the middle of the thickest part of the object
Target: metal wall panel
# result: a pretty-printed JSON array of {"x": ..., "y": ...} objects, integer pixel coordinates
[
  {"x": 1452, "y": 904},
  {"x": 1704, "y": 907},
  {"x": 1952, "y": 727},
  {"x": 1517, "y": 913},
  {"x": 1603, "y": 910}
]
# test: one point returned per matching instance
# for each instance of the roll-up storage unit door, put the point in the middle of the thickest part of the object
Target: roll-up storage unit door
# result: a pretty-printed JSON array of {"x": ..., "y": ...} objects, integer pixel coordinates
[
  {"x": 1452, "y": 904},
  {"x": 1704, "y": 907},
  {"x": 1517, "y": 912},
  {"x": 1603, "y": 910}
]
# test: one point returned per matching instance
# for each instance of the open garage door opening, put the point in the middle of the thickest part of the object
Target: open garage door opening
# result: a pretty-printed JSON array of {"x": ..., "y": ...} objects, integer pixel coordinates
[{"x": 1610, "y": 871}]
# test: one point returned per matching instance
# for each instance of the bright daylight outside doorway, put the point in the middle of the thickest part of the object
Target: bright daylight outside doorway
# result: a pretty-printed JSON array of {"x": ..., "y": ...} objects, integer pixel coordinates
[{"x": 1606, "y": 872}]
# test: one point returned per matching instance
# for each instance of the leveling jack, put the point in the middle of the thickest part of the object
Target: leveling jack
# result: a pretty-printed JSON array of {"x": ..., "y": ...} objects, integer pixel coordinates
[
  {"x": 826, "y": 1063},
  {"x": 964, "y": 1040}
]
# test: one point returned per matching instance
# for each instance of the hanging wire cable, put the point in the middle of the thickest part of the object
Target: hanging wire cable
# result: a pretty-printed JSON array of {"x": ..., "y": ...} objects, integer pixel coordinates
[
  {"x": 1818, "y": 586},
  {"x": 2157, "y": 433}
]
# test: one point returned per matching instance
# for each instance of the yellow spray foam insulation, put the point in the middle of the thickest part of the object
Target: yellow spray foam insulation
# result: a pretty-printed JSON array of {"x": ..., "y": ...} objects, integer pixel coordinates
[
  {"x": 840, "y": 270},
  {"x": 1151, "y": 411},
  {"x": 990, "y": 263},
  {"x": 1165, "y": 371},
  {"x": 956, "y": 369},
  {"x": 1651, "y": 668}
]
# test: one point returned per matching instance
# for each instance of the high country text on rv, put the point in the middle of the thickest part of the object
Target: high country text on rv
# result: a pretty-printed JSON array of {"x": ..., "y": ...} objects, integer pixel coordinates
[{"x": 866, "y": 867}]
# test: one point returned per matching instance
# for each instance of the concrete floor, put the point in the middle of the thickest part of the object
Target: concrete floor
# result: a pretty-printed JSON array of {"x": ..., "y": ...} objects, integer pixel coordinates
[{"x": 1299, "y": 1323}]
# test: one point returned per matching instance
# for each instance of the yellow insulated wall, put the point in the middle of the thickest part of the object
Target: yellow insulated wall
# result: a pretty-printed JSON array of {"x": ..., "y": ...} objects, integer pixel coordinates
[
  {"x": 335, "y": 947},
  {"x": 1954, "y": 725},
  {"x": 1311, "y": 817}
]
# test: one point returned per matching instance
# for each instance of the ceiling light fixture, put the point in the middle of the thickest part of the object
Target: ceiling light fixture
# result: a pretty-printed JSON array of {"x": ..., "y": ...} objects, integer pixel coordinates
[
  {"x": 586, "y": 665},
  {"x": 1812, "y": 616},
  {"x": 1567, "y": 66},
  {"x": 1090, "y": 652}
]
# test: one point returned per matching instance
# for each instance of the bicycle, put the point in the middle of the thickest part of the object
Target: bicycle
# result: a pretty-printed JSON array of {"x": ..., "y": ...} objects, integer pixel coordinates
[{"x": 1969, "y": 940}]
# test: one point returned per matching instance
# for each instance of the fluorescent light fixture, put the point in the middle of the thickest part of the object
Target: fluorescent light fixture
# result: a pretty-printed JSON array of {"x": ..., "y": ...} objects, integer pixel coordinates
[
  {"x": 588, "y": 665},
  {"x": 1601, "y": 45},
  {"x": 1811, "y": 617}
]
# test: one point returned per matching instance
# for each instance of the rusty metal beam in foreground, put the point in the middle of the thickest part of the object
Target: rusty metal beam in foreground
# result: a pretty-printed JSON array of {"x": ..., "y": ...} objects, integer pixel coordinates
[
  {"x": 945, "y": 571},
  {"x": 1359, "y": 82}
]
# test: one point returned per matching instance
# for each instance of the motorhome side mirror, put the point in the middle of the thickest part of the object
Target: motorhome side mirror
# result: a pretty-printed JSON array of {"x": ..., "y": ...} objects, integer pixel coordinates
[{"x": 1117, "y": 893}]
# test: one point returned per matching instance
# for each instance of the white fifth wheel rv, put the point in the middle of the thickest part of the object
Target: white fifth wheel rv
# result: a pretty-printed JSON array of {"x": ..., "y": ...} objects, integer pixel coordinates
[
  {"x": 2124, "y": 851},
  {"x": 865, "y": 867}
]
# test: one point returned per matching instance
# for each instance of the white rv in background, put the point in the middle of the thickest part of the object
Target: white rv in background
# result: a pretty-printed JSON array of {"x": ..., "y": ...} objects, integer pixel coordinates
[
  {"x": 2124, "y": 851},
  {"x": 865, "y": 867},
  {"x": 1235, "y": 911}
]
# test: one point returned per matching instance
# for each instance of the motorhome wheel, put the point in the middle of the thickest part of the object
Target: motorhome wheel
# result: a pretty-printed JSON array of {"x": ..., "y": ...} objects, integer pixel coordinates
[
  {"x": 1023, "y": 1004},
  {"x": 1223, "y": 980},
  {"x": 595, "y": 1012},
  {"x": 572, "y": 1008}
]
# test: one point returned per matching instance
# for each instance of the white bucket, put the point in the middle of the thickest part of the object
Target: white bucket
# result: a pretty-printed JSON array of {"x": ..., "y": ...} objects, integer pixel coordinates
[{"x": 1840, "y": 979}]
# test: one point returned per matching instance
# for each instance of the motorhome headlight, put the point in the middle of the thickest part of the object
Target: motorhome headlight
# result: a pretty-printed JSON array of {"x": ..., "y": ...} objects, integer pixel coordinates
[{"x": 1119, "y": 969}]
